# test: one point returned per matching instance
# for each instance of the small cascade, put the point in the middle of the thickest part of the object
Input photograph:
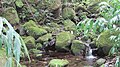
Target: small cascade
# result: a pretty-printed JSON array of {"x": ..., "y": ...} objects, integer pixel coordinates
[{"x": 89, "y": 57}]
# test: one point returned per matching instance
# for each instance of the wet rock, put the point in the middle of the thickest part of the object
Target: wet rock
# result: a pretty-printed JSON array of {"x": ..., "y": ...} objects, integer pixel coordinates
[
  {"x": 104, "y": 38},
  {"x": 58, "y": 63},
  {"x": 77, "y": 47},
  {"x": 11, "y": 15},
  {"x": 44, "y": 38},
  {"x": 100, "y": 61},
  {"x": 69, "y": 25},
  {"x": 68, "y": 13},
  {"x": 30, "y": 42},
  {"x": 2, "y": 58},
  {"x": 63, "y": 40},
  {"x": 103, "y": 51}
]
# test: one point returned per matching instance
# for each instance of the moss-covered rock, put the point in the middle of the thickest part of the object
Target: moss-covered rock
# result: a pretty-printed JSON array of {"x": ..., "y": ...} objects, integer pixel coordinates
[
  {"x": 47, "y": 28},
  {"x": 11, "y": 15},
  {"x": 100, "y": 61},
  {"x": 63, "y": 39},
  {"x": 54, "y": 28},
  {"x": 28, "y": 24},
  {"x": 39, "y": 46},
  {"x": 69, "y": 25},
  {"x": 77, "y": 47},
  {"x": 104, "y": 38},
  {"x": 44, "y": 38},
  {"x": 2, "y": 58},
  {"x": 53, "y": 4},
  {"x": 30, "y": 42},
  {"x": 58, "y": 63},
  {"x": 19, "y": 3},
  {"x": 36, "y": 53},
  {"x": 68, "y": 13},
  {"x": 36, "y": 31}
]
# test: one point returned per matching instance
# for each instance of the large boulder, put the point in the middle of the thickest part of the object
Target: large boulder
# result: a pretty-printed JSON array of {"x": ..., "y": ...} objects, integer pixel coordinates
[
  {"x": 36, "y": 31},
  {"x": 77, "y": 47},
  {"x": 30, "y": 42},
  {"x": 11, "y": 15},
  {"x": 104, "y": 38},
  {"x": 68, "y": 13},
  {"x": 33, "y": 29},
  {"x": 63, "y": 40},
  {"x": 69, "y": 25},
  {"x": 103, "y": 51}
]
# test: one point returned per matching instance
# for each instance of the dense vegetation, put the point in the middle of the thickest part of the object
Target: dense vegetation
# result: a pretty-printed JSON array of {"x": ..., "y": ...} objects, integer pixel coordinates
[{"x": 47, "y": 26}]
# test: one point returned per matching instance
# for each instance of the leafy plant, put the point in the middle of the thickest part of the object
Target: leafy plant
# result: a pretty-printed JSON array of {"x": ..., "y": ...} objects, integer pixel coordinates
[
  {"x": 92, "y": 26},
  {"x": 115, "y": 49},
  {"x": 109, "y": 20},
  {"x": 12, "y": 43}
]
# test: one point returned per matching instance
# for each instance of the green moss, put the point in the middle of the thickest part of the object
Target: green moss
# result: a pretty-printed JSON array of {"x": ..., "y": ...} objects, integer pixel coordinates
[
  {"x": 58, "y": 63},
  {"x": 33, "y": 9},
  {"x": 53, "y": 24},
  {"x": 28, "y": 24},
  {"x": 36, "y": 53},
  {"x": 53, "y": 4},
  {"x": 53, "y": 27},
  {"x": 36, "y": 31},
  {"x": 77, "y": 47},
  {"x": 45, "y": 38},
  {"x": 63, "y": 39},
  {"x": 68, "y": 13},
  {"x": 69, "y": 25},
  {"x": 30, "y": 42},
  {"x": 38, "y": 46},
  {"x": 104, "y": 38},
  {"x": 11, "y": 15},
  {"x": 19, "y": 3},
  {"x": 47, "y": 28}
]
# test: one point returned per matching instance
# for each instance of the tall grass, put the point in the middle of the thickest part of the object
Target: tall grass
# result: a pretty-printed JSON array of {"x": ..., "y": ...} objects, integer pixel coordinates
[{"x": 12, "y": 43}]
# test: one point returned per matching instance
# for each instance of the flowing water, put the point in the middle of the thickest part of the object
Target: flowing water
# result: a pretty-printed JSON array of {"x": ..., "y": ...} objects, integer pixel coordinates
[{"x": 90, "y": 58}]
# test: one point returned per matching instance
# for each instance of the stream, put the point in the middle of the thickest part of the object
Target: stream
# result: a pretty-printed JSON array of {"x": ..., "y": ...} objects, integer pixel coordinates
[
  {"x": 74, "y": 61},
  {"x": 89, "y": 57}
]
